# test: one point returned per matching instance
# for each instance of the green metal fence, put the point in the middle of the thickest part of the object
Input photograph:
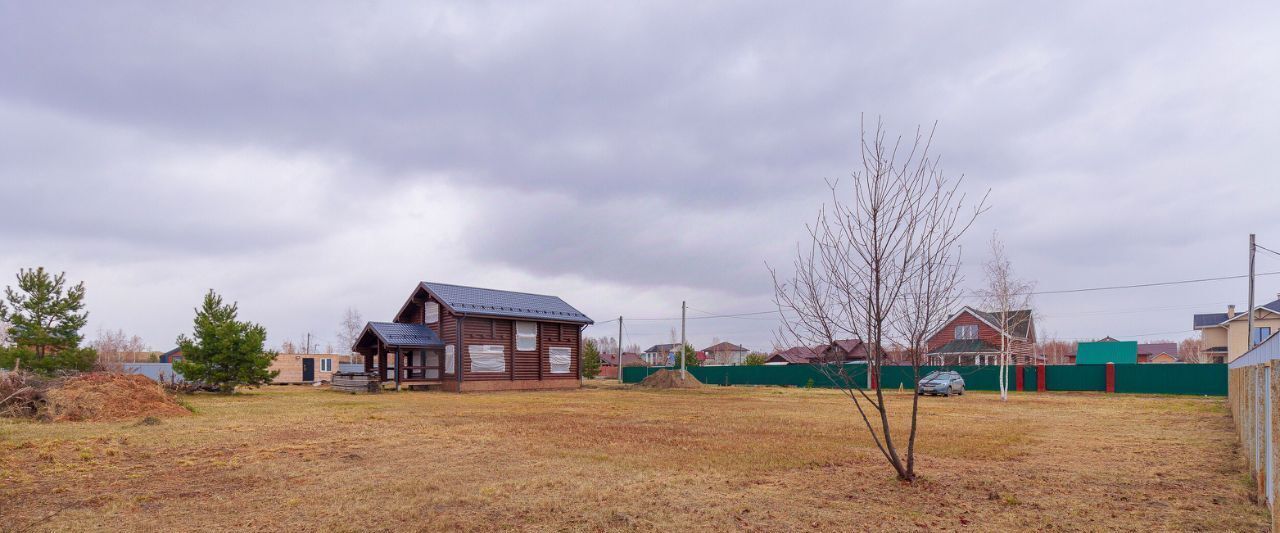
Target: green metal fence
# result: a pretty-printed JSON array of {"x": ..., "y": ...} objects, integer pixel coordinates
[{"x": 1207, "y": 379}]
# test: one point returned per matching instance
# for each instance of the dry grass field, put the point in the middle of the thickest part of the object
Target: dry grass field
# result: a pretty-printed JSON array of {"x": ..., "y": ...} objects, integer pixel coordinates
[{"x": 606, "y": 458}]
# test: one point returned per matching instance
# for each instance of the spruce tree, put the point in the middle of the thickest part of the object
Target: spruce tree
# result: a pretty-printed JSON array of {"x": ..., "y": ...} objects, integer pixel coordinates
[
  {"x": 224, "y": 352},
  {"x": 590, "y": 359},
  {"x": 44, "y": 314}
]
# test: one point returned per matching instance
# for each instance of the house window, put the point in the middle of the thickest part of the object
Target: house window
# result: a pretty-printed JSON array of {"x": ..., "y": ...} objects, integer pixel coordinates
[
  {"x": 448, "y": 359},
  {"x": 487, "y": 358},
  {"x": 1261, "y": 334},
  {"x": 967, "y": 332},
  {"x": 526, "y": 336},
  {"x": 326, "y": 365},
  {"x": 561, "y": 360},
  {"x": 430, "y": 313}
]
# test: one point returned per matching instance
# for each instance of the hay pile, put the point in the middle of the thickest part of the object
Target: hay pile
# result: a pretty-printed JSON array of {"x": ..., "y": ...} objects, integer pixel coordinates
[
  {"x": 94, "y": 397},
  {"x": 670, "y": 379}
]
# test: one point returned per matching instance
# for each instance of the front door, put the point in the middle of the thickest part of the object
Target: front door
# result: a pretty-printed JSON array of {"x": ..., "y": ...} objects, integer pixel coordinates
[{"x": 308, "y": 369}]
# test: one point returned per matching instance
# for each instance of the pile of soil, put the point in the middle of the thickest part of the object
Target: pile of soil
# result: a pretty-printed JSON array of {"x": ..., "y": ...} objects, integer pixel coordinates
[
  {"x": 670, "y": 379},
  {"x": 107, "y": 396}
]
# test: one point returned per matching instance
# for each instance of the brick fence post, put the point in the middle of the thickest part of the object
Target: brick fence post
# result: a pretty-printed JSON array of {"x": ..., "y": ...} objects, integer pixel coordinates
[
  {"x": 1017, "y": 377},
  {"x": 1111, "y": 377},
  {"x": 1041, "y": 379}
]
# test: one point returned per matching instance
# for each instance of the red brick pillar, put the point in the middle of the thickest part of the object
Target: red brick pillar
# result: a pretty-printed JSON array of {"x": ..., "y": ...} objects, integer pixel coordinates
[
  {"x": 1017, "y": 377},
  {"x": 1111, "y": 377},
  {"x": 1041, "y": 379}
]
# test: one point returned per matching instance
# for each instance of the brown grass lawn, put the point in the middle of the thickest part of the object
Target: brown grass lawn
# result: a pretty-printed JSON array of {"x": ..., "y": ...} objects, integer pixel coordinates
[{"x": 606, "y": 458}]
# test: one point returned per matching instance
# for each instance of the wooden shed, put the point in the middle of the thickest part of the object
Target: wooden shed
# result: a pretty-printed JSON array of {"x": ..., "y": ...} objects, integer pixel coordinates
[{"x": 461, "y": 338}]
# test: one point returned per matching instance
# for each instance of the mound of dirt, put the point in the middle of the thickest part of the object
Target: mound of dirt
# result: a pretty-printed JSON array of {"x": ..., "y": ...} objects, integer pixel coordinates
[
  {"x": 107, "y": 396},
  {"x": 670, "y": 379}
]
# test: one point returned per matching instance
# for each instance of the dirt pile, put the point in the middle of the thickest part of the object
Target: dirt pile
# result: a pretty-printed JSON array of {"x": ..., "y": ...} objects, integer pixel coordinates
[
  {"x": 670, "y": 379},
  {"x": 106, "y": 396}
]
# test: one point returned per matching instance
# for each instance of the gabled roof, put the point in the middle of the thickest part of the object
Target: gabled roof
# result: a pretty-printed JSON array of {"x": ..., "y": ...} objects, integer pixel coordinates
[
  {"x": 1021, "y": 320},
  {"x": 850, "y": 345},
  {"x": 1157, "y": 348},
  {"x": 662, "y": 348},
  {"x": 1205, "y": 320},
  {"x": 628, "y": 359},
  {"x": 409, "y": 335},
  {"x": 491, "y": 302},
  {"x": 725, "y": 347}
]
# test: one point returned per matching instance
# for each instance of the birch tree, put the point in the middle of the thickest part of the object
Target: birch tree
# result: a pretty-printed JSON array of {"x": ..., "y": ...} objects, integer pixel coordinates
[
  {"x": 349, "y": 329},
  {"x": 880, "y": 264},
  {"x": 1009, "y": 297}
]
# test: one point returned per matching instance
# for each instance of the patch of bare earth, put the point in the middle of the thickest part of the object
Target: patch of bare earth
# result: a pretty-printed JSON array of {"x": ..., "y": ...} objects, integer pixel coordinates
[{"x": 713, "y": 458}]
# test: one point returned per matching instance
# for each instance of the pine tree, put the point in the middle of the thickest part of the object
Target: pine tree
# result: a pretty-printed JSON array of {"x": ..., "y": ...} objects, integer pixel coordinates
[
  {"x": 590, "y": 359},
  {"x": 224, "y": 352},
  {"x": 44, "y": 314}
]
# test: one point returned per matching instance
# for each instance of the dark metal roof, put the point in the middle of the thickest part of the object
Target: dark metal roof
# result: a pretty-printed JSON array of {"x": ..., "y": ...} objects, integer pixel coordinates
[
  {"x": 1209, "y": 319},
  {"x": 411, "y": 335},
  {"x": 966, "y": 346},
  {"x": 1020, "y": 320},
  {"x": 491, "y": 302},
  {"x": 1213, "y": 319},
  {"x": 725, "y": 347},
  {"x": 1216, "y": 349},
  {"x": 662, "y": 348}
]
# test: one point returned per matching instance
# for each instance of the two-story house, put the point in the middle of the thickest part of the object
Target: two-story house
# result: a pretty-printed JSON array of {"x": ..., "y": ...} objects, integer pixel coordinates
[
  {"x": 725, "y": 353},
  {"x": 469, "y": 339},
  {"x": 973, "y": 337},
  {"x": 1224, "y": 336}
]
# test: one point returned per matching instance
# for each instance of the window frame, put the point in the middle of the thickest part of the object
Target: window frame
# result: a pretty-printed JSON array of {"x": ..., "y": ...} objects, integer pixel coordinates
[
  {"x": 326, "y": 364},
  {"x": 965, "y": 327},
  {"x": 553, "y": 351},
  {"x": 525, "y": 336}
]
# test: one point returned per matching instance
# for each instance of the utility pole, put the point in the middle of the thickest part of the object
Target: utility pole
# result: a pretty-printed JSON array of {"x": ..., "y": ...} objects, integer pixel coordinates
[
  {"x": 619, "y": 361},
  {"x": 683, "y": 372},
  {"x": 1253, "y": 248},
  {"x": 307, "y": 350}
]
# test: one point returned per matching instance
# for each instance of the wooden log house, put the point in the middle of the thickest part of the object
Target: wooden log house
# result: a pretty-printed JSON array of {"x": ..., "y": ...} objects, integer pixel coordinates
[{"x": 458, "y": 338}]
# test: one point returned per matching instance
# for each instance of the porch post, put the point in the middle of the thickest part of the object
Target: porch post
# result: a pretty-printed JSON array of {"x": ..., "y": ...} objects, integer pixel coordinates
[
  {"x": 399, "y": 365},
  {"x": 382, "y": 363}
]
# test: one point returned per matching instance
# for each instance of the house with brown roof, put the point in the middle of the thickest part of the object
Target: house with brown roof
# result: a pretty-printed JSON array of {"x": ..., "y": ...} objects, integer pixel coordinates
[
  {"x": 844, "y": 350},
  {"x": 973, "y": 337},
  {"x": 1158, "y": 352},
  {"x": 725, "y": 353}
]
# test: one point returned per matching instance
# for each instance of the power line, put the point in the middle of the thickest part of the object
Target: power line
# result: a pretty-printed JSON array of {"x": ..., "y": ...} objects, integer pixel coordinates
[
  {"x": 1265, "y": 249},
  {"x": 1155, "y": 284}
]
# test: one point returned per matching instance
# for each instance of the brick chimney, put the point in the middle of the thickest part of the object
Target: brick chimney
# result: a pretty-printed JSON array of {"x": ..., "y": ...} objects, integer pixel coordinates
[{"x": 1231, "y": 311}]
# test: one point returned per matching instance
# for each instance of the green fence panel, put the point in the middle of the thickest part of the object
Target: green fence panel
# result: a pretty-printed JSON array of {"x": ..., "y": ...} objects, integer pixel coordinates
[
  {"x": 1076, "y": 377},
  {"x": 1208, "y": 379}
]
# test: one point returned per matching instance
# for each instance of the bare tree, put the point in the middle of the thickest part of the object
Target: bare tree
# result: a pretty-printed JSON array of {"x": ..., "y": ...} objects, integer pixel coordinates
[
  {"x": 115, "y": 348},
  {"x": 1056, "y": 351},
  {"x": 1010, "y": 299},
  {"x": 1191, "y": 350},
  {"x": 349, "y": 329},
  {"x": 881, "y": 265},
  {"x": 288, "y": 347}
]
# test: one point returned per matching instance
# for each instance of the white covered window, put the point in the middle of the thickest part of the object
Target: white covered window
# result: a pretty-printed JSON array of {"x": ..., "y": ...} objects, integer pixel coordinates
[
  {"x": 487, "y": 358},
  {"x": 561, "y": 360},
  {"x": 326, "y": 365},
  {"x": 526, "y": 336},
  {"x": 967, "y": 331},
  {"x": 448, "y": 359},
  {"x": 430, "y": 313}
]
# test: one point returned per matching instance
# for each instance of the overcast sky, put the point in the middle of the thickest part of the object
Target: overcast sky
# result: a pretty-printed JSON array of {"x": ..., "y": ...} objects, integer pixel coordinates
[{"x": 314, "y": 157}]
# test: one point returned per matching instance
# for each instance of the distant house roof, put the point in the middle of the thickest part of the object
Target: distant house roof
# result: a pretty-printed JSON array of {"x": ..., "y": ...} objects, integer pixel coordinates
[
  {"x": 628, "y": 359},
  {"x": 493, "y": 302},
  {"x": 966, "y": 346},
  {"x": 394, "y": 334},
  {"x": 794, "y": 355},
  {"x": 662, "y": 348},
  {"x": 1155, "y": 348},
  {"x": 1216, "y": 349},
  {"x": 1205, "y": 320},
  {"x": 725, "y": 347}
]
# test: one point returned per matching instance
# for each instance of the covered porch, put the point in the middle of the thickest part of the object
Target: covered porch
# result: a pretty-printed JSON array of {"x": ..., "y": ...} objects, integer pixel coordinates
[{"x": 403, "y": 354}]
